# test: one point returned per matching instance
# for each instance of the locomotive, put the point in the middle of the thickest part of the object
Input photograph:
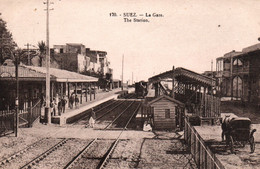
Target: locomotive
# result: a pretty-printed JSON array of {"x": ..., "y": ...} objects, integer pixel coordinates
[{"x": 141, "y": 89}]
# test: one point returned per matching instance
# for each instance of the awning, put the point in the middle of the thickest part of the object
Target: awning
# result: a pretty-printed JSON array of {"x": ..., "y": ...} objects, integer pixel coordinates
[{"x": 33, "y": 73}]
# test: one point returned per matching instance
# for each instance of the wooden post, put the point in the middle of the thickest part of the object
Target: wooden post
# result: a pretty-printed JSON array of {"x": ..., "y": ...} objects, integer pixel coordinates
[
  {"x": 86, "y": 92},
  {"x": 61, "y": 90},
  {"x": 75, "y": 91},
  {"x": 173, "y": 82},
  {"x": 81, "y": 85},
  {"x": 94, "y": 91},
  {"x": 30, "y": 115},
  {"x": 90, "y": 90},
  {"x": 68, "y": 90}
]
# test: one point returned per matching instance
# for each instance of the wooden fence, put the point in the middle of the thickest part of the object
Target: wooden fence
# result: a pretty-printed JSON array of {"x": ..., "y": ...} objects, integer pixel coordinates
[
  {"x": 202, "y": 155},
  {"x": 7, "y": 122}
]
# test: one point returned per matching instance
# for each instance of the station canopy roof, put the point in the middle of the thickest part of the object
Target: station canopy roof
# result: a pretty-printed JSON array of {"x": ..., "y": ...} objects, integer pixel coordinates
[
  {"x": 33, "y": 73},
  {"x": 185, "y": 76}
]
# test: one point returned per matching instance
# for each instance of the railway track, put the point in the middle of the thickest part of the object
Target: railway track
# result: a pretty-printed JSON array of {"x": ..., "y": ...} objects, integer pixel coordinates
[
  {"x": 94, "y": 153},
  {"x": 98, "y": 152},
  {"x": 26, "y": 155},
  {"x": 87, "y": 114}
]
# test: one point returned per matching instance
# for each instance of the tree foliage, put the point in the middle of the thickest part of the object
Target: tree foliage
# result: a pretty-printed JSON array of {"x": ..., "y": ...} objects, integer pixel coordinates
[
  {"x": 42, "y": 48},
  {"x": 7, "y": 44}
]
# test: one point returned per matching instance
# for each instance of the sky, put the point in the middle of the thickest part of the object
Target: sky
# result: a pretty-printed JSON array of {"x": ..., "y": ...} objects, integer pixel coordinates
[{"x": 190, "y": 34}]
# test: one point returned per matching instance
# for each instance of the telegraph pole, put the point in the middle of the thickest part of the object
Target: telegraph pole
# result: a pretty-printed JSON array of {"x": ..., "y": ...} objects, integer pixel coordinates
[
  {"x": 122, "y": 73},
  {"x": 132, "y": 78},
  {"x": 47, "y": 108},
  {"x": 28, "y": 53}
]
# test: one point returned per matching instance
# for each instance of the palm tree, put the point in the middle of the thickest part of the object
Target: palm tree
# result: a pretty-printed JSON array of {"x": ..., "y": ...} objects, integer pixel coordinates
[{"x": 42, "y": 49}]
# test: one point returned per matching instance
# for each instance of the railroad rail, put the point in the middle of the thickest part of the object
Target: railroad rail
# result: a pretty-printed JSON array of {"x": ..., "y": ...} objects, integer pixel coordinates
[
  {"x": 77, "y": 157},
  {"x": 110, "y": 102},
  {"x": 44, "y": 154},
  {"x": 102, "y": 160},
  {"x": 119, "y": 115},
  {"x": 17, "y": 154},
  {"x": 107, "y": 155}
]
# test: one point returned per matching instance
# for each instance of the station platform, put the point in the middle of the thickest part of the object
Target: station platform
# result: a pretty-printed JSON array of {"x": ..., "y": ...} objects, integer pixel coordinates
[{"x": 101, "y": 97}]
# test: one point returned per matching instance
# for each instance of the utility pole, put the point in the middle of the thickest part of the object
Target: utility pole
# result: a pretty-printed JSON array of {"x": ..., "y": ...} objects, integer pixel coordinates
[
  {"x": 122, "y": 73},
  {"x": 17, "y": 60},
  {"x": 132, "y": 78},
  {"x": 28, "y": 53},
  {"x": 47, "y": 108},
  {"x": 212, "y": 100}
]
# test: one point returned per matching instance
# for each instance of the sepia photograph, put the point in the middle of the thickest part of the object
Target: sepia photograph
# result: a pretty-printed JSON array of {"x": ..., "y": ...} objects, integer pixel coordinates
[{"x": 130, "y": 84}]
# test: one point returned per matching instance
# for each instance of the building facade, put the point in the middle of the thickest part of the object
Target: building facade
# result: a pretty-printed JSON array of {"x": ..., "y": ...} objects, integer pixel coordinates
[{"x": 238, "y": 74}]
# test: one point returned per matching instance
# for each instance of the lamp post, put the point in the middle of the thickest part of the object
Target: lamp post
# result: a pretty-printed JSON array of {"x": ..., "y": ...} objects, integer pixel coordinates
[{"x": 17, "y": 61}]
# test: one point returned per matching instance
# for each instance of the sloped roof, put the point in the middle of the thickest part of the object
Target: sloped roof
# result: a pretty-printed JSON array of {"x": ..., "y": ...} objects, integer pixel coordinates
[
  {"x": 251, "y": 48},
  {"x": 33, "y": 73},
  {"x": 184, "y": 75},
  {"x": 64, "y": 75},
  {"x": 8, "y": 72},
  {"x": 166, "y": 97}
]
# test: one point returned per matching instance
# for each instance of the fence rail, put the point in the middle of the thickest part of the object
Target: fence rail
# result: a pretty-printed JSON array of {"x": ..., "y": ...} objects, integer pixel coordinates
[
  {"x": 29, "y": 117},
  {"x": 6, "y": 121},
  {"x": 202, "y": 155},
  {"x": 26, "y": 119}
]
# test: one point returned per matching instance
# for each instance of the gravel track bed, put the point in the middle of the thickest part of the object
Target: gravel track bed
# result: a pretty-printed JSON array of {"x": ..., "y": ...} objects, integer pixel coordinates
[
  {"x": 110, "y": 117},
  {"x": 92, "y": 157},
  {"x": 63, "y": 155},
  {"x": 8, "y": 143},
  {"x": 162, "y": 154},
  {"x": 32, "y": 153},
  {"x": 123, "y": 119},
  {"x": 84, "y": 120},
  {"x": 126, "y": 154}
]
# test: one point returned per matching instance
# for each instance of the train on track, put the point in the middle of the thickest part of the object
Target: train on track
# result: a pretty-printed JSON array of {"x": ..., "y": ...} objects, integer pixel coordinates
[{"x": 141, "y": 89}]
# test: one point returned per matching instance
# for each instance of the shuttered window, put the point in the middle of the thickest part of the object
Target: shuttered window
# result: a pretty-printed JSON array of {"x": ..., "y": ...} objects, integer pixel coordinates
[{"x": 167, "y": 113}]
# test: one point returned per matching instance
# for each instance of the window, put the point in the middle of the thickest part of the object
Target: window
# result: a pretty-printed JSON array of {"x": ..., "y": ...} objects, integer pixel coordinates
[
  {"x": 167, "y": 113},
  {"x": 61, "y": 50}
]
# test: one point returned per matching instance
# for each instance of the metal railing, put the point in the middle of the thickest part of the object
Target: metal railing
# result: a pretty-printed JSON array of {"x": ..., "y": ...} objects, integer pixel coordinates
[
  {"x": 202, "y": 155},
  {"x": 6, "y": 122}
]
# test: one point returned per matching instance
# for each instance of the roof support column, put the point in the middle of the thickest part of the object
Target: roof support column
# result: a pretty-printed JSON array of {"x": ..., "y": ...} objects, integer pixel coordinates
[
  {"x": 94, "y": 91},
  {"x": 75, "y": 92},
  {"x": 173, "y": 82},
  {"x": 52, "y": 86},
  {"x": 204, "y": 101},
  {"x": 156, "y": 89},
  {"x": 86, "y": 94},
  {"x": 90, "y": 92},
  {"x": 81, "y": 86}
]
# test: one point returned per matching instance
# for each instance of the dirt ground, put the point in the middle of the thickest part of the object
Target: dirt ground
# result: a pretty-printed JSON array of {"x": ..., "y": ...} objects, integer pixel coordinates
[
  {"x": 242, "y": 157},
  {"x": 138, "y": 149}
]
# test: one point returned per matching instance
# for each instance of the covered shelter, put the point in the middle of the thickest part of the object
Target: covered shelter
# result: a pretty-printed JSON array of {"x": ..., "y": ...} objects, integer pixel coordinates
[
  {"x": 32, "y": 81},
  {"x": 198, "y": 92}
]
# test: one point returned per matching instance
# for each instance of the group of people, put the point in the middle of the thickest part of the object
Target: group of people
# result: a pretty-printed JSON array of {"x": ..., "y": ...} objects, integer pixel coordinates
[
  {"x": 73, "y": 99},
  {"x": 58, "y": 105}
]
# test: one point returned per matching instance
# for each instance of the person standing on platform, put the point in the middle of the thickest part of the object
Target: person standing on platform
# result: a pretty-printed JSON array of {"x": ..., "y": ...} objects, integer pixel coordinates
[
  {"x": 52, "y": 108},
  {"x": 63, "y": 104},
  {"x": 71, "y": 101},
  {"x": 56, "y": 101},
  {"x": 92, "y": 119},
  {"x": 76, "y": 101},
  {"x": 59, "y": 107}
]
